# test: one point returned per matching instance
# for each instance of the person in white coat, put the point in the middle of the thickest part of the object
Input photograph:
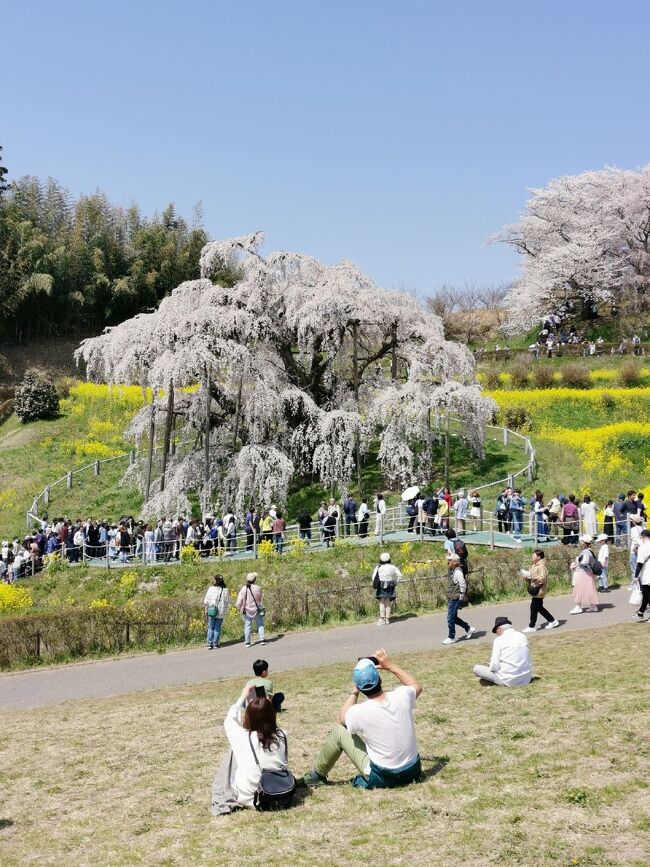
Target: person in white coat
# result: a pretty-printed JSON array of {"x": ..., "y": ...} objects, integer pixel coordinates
[{"x": 510, "y": 663}]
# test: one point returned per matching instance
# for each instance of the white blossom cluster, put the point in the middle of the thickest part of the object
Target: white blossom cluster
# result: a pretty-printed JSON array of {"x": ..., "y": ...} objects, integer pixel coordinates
[
  {"x": 585, "y": 240},
  {"x": 307, "y": 364}
]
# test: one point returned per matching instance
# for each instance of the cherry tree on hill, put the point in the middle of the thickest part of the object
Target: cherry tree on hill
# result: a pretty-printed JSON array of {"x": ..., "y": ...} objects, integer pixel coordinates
[
  {"x": 585, "y": 246},
  {"x": 300, "y": 367}
]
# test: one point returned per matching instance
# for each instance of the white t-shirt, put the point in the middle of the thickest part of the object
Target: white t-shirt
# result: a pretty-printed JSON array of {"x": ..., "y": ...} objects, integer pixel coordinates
[
  {"x": 603, "y": 554},
  {"x": 386, "y": 727},
  {"x": 643, "y": 556}
]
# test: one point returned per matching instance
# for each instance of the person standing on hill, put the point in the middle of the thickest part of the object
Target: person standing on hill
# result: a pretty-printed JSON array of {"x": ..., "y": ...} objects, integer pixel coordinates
[
  {"x": 350, "y": 513},
  {"x": 537, "y": 578},
  {"x": 249, "y": 604},
  {"x": 588, "y": 515},
  {"x": 384, "y": 581},
  {"x": 517, "y": 505},
  {"x": 380, "y": 513},
  {"x": 570, "y": 518},
  {"x": 620, "y": 519},
  {"x": 584, "y": 588},
  {"x": 363, "y": 516}
]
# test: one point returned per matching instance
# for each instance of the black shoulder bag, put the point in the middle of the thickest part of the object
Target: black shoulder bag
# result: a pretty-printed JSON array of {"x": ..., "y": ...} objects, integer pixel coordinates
[{"x": 276, "y": 788}]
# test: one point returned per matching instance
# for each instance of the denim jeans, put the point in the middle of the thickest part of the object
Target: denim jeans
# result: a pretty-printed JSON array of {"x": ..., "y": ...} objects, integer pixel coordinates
[
  {"x": 621, "y": 532},
  {"x": 518, "y": 524},
  {"x": 633, "y": 556},
  {"x": 279, "y": 542},
  {"x": 602, "y": 578},
  {"x": 542, "y": 528},
  {"x": 453, "y": 620},
  {"x": 305, "y": 535},
  {"x": 214, "y": 630},
  {"x": 259, "y": 622}
]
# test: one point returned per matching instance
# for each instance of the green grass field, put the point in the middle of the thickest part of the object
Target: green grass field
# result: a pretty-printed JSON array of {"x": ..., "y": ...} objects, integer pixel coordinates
[{"x": 556, "y": 773}]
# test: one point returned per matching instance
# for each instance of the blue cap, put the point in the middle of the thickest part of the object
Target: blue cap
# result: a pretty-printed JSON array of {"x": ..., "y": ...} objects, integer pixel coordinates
[{"x": 365, "y": 675}]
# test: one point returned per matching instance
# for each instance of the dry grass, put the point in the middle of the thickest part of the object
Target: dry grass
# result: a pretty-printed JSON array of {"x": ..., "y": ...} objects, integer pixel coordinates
[{"x": 556, "y": 773}]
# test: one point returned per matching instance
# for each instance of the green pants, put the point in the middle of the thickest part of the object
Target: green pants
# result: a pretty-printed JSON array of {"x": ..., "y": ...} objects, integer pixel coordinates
[{"x": 340, "y": 741}]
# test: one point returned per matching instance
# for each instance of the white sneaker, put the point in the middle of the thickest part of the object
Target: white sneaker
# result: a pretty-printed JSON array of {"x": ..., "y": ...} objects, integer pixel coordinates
[
  {"x": 450, "y": 641},
  {"x": 381, "y": 622},
  {"x": 470, "y": 632},
  {"x": 530, "y": 629},
  {"x": 593, "y": 609},
  {"x": 576, "y": 610},
  {"x": 553, "y": 625}
]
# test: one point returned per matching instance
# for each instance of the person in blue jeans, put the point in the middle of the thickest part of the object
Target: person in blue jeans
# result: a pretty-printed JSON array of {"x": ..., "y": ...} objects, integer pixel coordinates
[
  {"x": 456, "y": 596},
  {"x": 517, "y": 505},
  {"x": 216, "y": 603}
]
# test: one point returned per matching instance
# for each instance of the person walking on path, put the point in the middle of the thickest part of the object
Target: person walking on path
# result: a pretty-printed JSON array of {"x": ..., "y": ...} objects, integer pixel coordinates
[
  {"x": 377, "y": 736},
  {"x": 603, "y": 559},
  {"x": 249, "y": 604},
  {"x": 216, "y": 604},
  {"x": 384, "y": 581},
  {"x": 642, "y": 574},
  {"x": 510, "y": 663},
  {"x": 537, "y": 579},
  {"x": 456, "y": 598},
  {"x": 585, "y": 594},
  {"x": 636, "y": 525}
]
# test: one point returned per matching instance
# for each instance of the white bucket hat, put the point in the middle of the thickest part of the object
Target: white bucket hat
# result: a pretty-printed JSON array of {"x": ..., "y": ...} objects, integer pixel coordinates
[
  {"x": 587, "y": 539},
  {"x": 602, "y": 538}
]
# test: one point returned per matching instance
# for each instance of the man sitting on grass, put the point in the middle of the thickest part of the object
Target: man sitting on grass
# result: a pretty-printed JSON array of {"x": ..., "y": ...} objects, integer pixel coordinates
[
  {"x": 377, "y": 736},
  {"x": 510, "y": 663}
]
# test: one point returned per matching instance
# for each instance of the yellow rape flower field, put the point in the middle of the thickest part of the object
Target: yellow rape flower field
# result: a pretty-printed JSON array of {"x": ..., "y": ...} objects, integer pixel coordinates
[{"x": 594, "y": 441}]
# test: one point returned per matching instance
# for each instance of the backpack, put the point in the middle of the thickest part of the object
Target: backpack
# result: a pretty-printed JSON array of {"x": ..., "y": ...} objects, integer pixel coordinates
[
  {"x": 276, "y": 788},
  {"x": 460, "y": 548},
  {"x": 595, "y": 564}
]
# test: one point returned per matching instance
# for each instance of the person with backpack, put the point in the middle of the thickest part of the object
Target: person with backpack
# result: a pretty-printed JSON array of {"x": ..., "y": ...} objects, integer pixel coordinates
[
  {"x": 249, "y": 604},
  {"x": 454, "y": 545},
  {"x": 430, "y": 509},
  {"x": 456, "y": 598},
  {"x": 384, "y": 581},
  {"x": 585, "y": 567},
  {"x": 537, "y": 583}
]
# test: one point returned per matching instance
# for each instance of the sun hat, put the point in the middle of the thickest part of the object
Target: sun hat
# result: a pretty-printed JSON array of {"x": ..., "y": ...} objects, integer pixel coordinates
[
  {"x": 251, "y": 577},
  {"x": 365, "y": 675},
  {"x": 603, "y": 537},
  {"x": 499, "y": 622},
  {"x": 385, "y": 557},
  {"x": 587, "y": 539}
]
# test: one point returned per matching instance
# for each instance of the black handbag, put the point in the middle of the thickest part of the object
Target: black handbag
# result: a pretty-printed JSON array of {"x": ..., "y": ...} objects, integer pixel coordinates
[
  {"x": 276, "y": 788},
  {"x": 533, "y": 589}
]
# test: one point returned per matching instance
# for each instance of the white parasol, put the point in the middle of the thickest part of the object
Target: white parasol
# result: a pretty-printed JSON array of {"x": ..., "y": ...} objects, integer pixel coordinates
[{"x": 409, "y": 493}]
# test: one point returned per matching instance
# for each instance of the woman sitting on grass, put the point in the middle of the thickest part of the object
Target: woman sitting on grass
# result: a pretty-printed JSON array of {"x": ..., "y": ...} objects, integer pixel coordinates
[{"x": 252, "y": 732}]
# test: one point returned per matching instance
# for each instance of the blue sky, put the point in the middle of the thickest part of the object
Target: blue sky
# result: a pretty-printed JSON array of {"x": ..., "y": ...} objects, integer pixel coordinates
[{"x": 395, "y": 134}]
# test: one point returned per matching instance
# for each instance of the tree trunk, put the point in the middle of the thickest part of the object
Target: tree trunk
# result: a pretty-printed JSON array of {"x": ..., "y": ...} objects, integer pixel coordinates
[
  {"x": 152, "y": 433},
  {"x": 206, "y": 444},
  {"x": 355, "y": 360},
  {"x": 168, "y": 432}
]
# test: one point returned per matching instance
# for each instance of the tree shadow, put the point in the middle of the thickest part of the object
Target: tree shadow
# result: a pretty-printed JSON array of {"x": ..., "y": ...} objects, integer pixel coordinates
[{"x": 6, "y": 823}]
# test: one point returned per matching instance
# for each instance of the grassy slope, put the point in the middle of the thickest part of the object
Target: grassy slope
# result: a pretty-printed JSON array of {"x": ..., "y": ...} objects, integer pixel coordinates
[{"x": 552, "y": 774}]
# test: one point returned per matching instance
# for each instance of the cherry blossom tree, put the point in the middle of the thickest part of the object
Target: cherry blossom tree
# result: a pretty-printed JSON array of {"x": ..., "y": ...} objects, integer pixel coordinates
[
  {"x": 289, "y": 373},
  {"x": 585, "y": 243}
]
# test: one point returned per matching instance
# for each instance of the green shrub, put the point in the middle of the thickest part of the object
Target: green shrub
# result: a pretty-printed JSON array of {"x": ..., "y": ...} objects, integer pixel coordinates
[
  {"x": 35, "y": 398},
  {"x": 517, "y": 418},
  {"x": 576, "y": 375},
  {"x": 492, "y": 380}
]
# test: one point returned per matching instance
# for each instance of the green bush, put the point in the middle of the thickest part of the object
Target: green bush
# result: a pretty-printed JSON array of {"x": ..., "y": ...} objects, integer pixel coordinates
[
  {"x": 517, "y": 418},
  {"x": 492, "y": 380},
  {"x": 35, "y": 398}
]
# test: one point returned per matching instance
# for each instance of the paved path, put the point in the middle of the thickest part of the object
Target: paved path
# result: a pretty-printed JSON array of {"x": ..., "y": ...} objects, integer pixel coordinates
[{"x": 120, "y": 676}]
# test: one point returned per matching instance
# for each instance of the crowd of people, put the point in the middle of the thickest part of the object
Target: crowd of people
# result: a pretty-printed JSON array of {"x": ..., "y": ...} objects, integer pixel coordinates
[{"x": 428, "y": 514}]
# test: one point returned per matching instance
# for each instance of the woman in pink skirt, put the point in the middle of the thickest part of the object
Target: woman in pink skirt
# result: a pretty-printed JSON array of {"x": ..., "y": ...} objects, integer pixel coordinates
[{"x": 585, "y": 594}]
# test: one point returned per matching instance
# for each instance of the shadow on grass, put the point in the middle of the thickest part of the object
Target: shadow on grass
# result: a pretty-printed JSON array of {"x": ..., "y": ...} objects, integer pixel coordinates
[{"x": 6, "y": 823}]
